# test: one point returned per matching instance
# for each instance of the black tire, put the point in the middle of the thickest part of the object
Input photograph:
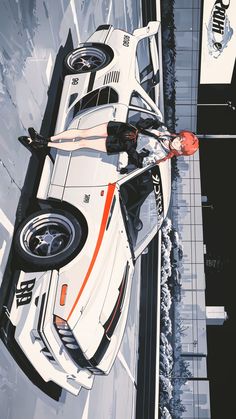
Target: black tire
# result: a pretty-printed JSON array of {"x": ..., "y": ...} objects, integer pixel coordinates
[
  {"x": 87, "y": 59},
  {"x": 48, "y": 239}
]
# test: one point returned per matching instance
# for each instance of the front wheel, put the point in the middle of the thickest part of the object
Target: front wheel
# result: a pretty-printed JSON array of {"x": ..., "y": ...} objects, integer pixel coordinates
[
  {"x": 48, "y": 239},
  {"x": 87, "y": 58}
]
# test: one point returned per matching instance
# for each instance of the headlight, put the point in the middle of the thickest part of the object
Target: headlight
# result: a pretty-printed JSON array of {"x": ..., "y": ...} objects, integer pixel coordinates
[
  {"x": 70, "y": 343},
  {"x": 73, "y": 349},
  {"x": 65, "y": 333}
]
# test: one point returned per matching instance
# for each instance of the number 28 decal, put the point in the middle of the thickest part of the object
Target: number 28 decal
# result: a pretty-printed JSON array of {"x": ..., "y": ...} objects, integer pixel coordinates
[
  {"x": 75, "y": 80},
  {"x": 126, "y": 40}
]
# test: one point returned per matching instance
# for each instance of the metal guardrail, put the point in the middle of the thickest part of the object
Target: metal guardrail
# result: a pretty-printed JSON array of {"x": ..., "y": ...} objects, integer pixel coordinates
[{"x": 158, "y": 327}]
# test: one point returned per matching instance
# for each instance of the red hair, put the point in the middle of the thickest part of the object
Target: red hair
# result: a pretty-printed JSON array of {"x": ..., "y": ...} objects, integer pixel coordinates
[
  {"x": 190, "y": 142},
  {"x": 189, "y": 145}
]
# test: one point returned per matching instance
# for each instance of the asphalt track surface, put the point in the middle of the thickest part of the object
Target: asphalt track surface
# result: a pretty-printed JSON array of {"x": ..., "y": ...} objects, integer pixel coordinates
[{"x": 145, "y": 402}]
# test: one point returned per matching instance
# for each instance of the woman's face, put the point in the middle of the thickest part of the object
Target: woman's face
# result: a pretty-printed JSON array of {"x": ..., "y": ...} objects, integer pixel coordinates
[{"x": 176, "y": 144}]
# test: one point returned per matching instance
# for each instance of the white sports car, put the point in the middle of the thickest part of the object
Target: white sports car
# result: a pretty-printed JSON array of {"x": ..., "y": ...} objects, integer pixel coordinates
[{"x": 77, "y": 253}]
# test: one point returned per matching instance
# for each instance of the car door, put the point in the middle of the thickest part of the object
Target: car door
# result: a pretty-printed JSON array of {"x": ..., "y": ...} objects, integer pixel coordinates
[
  {"x": 141, "y": 200},
  {"x": 141, "y": 102},
  {"x": 140, "y": 110}
]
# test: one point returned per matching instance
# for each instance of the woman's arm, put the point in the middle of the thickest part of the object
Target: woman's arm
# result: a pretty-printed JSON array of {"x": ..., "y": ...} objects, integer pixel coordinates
[
  {"x": 134, "y": 158},
  {"x": 160, "y": 133},
  {"x": 157, "y": 132}
]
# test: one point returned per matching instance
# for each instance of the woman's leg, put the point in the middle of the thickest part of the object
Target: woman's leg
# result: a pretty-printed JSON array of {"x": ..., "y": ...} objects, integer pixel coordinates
[
  {"x": 98, "y": 144},
  {"x": 70, "y": 134}
]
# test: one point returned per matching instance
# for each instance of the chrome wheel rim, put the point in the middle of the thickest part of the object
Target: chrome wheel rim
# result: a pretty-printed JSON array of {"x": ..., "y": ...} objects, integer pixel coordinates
[
  {"x": 47, "y": 235},
  {"x": 86, "y": 59}
]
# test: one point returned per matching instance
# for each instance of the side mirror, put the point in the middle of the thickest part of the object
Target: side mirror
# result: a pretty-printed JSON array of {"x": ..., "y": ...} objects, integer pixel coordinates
[
  {"x": 149, "y": 30},
  {"x": 138, "y": 225},
  {"x": 156, "y": 78}
]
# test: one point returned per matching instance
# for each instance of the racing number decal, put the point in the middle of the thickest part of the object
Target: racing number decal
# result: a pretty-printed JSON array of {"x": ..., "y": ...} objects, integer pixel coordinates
[
  {"x": 126, "y": 40},
  {"x": 157, "y": 189},
  {"x": 75, "y": 80},
  {"x": 24, "y": 293}
]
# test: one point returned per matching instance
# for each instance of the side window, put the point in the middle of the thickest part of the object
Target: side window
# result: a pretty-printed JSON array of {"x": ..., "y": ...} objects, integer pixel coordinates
[
  {"x": 96, "y": 98},
  {"x": 136, "y": 116},
  {"x": 142, "y": 198},
  {"x": 145, "y": 67},
  {"x": 137, "y": 100},
  {"x": 102, "y": 96}
]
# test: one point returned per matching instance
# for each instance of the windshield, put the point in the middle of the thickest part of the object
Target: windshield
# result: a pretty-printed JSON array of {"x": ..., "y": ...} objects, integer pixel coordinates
[
  {"x": 142, "y": 205},
  {"x": 137, "y": 116}
]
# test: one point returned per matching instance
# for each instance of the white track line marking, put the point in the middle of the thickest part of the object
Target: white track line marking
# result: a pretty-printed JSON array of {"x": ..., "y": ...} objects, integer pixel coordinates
[
  {"x": 2, "y": 250},
  {"x": 4, "y": 220},
  {"x": 72, "y": 5},
  {"x": 49, "y": 68},
  {"x": 126, "y": 367},
  {"x": 109, "y": 12},
  {"x": 86, "y": 407},
  {"x": 125, "y": 14}
]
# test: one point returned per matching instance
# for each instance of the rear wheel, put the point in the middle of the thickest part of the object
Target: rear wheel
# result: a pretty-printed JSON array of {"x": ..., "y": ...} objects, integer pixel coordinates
[
  {"x": 48, "y": 239},
  {"x": 87, "y": 59}
]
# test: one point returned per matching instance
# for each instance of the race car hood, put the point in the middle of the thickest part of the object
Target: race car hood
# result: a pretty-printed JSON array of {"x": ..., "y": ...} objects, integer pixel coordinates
[{"x": 100, "y": 266}]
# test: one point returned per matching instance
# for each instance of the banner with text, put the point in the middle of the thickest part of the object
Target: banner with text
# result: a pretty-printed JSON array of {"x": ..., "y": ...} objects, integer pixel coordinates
[{"x": 218, "y": 41}]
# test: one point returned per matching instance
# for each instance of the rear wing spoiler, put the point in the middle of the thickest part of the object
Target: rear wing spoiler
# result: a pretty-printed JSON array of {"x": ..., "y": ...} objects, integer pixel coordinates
[{"x": 149, "y": 30}]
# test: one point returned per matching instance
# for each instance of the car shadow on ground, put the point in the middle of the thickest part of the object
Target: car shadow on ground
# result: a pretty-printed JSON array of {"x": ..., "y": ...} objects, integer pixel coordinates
[{"x": 28, "y": 204}]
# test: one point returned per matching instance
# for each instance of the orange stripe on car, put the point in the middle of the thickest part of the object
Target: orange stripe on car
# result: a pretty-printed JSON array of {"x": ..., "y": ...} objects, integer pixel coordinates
[{"x": 106, "y": 211}]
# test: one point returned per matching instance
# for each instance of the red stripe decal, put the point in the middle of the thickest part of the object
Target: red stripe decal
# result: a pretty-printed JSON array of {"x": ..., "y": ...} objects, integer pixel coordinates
[
  {"x": 109, "y": 197},
  {"x": 116, "y": 306}
]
